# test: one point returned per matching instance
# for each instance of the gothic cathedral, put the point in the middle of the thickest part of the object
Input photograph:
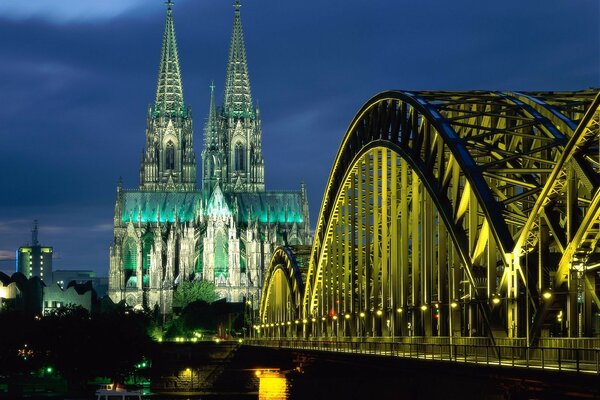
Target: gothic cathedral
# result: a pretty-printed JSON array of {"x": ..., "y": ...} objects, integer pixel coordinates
[{"x": 167, "y": 231}]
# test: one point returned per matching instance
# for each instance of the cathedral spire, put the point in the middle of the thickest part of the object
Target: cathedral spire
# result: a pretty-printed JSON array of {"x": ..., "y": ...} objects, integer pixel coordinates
[
  {"x": 210, "y": 131},
  {"x": 238, "y": 99},
  {"x": 169, "y": 90}
]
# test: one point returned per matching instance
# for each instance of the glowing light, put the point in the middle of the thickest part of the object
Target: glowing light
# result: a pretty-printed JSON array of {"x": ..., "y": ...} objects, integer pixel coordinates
[
  {"x": 323, "y": 319},
  {"x": 424, "y": 307},
  {"x": 334, "y": 317},
  {"x": 240, "y": 340},
  {"x": 547, "y": 295},
  {"x": 347, "y": 316},
  {"x": 496, "y": 300},
  {"x": 296, "y": 322},
  {"x": 362, "y": 314},
  {"x": 399, "y": 310},
  {"x": 314, "y": 319},
  {"x": 379, "y": 313},
  {"x": 304, "y": 321},
  {"x": 454, "y": 304}
]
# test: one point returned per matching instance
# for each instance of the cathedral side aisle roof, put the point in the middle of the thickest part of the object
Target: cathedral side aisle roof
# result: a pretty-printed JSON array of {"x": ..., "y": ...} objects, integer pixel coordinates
[
  {"x": 150, "y": 206},
  {"x": 268, "y": 206}
]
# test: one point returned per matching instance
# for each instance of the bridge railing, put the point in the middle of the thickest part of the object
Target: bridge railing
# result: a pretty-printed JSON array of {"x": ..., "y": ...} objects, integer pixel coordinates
[{"x": 580, "y": 360}]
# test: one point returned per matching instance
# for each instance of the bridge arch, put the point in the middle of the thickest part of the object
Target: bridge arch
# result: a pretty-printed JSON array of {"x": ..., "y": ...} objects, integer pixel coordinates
[
  {"x": 281, "y": 300},
  {"x": 432, "y": 213}
]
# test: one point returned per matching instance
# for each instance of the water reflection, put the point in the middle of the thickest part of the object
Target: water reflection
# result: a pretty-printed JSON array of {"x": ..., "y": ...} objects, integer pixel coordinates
[{"x": 272, "y": 384}]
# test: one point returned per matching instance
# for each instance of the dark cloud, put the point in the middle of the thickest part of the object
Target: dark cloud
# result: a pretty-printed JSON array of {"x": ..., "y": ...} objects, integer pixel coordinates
[{"x": 74, "y": 91}]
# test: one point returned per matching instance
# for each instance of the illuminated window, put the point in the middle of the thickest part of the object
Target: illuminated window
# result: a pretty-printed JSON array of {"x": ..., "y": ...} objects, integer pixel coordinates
[
  {"x": 239, "y": 157},
  {"x": 170, "y": 156},
  {"x": 147, "y": 250},
  {"x": 130, "y": 255}
]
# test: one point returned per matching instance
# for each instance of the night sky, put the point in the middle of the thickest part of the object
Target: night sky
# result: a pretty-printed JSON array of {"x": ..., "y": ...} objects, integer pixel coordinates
[{"x": 76, "y": 78}]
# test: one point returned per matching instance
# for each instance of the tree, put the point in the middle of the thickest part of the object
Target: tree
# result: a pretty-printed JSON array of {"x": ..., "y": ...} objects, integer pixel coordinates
[{"x": 189, "y": 291}]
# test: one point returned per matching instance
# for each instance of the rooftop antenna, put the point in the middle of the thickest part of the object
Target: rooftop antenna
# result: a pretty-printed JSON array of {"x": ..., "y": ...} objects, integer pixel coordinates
[{"x": 34, "y": 233}]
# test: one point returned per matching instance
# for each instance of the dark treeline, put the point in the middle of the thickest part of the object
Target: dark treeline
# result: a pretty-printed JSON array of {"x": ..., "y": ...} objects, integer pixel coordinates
[{"x": 74, "y": 344}]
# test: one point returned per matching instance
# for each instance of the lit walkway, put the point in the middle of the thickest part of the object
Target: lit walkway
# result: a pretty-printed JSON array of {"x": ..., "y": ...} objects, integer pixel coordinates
[{"x": 544, "y": 358}]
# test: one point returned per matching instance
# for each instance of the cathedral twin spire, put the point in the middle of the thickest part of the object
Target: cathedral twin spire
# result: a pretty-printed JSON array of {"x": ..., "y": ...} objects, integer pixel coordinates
[
  {"x": 238, "y": 98},
  {"x": 169, "y": 90},
  {"x": 169, "y": 162},
  {"x": 232, "y": 151}
]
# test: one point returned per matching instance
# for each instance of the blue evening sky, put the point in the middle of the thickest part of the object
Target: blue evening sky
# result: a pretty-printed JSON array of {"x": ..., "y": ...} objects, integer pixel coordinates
[{"x": 76, "y": 78}]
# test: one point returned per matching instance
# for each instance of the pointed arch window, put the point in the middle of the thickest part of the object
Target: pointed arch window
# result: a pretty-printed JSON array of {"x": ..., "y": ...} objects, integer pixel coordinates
[
  {"x": 239, "y": 157},
  {"x": 130, "y": 255},
  {"x": 170, "y": 156}
]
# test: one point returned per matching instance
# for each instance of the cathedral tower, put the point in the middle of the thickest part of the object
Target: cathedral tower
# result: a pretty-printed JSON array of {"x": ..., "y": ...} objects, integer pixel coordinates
[
  {"x": 233, "y": 154},
  {"x": 168, "y": 161}
]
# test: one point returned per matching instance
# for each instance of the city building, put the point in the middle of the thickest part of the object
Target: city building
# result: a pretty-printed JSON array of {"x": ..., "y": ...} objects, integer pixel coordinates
[
  {"x": 35, "y": 259},
  {"x": 167, "y": 230},
  {"x": 64, "y": 277},
  {"x": 32, "y": 296}
]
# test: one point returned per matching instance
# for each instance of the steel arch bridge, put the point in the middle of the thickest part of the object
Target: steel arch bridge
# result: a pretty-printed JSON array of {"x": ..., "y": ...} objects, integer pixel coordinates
[{"x": 453, "y": 214}]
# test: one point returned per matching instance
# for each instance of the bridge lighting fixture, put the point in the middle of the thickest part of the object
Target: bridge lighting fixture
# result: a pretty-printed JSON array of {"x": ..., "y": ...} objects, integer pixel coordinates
[
  {"x": 314, "y": 319},
  {"x": 335, "y": 317},
  {"x": 289, "y": 322},
  {"x": 424, "y": 307},
  {"x": 304, "y": 321},
  {"x": 347, "y": 316},
  {"x": 296, "y": 322},
  {"x": 323, "y": 319},
  {"x": 399, "y": 310},
  {"x": 547, "y": 295},
  {"x": 437, "y": 305},
  {"x": 495, "y": 298},
  {"x": 454, "y": 304},
  {"x": 362, "y": 314},
  {"x": 379, "y": 313}
]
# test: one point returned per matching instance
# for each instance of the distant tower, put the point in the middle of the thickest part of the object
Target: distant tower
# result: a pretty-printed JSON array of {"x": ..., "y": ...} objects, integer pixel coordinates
[
  {"x": 233, "y": 153},
  {"x": 168, "y": 161},
  {"x": 35, "y": 260}
]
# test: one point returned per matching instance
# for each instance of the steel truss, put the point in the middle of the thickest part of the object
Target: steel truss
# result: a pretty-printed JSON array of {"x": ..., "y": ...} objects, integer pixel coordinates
[{"x": 454, "y": 214}]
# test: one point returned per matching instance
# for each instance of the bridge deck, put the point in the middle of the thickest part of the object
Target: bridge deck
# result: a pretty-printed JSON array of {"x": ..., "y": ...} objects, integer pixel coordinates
[{"x": 579, "y": 360}]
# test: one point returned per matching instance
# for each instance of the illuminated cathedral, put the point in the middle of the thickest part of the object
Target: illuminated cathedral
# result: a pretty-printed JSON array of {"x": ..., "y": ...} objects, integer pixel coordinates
[{"x": 168, "y": 230}]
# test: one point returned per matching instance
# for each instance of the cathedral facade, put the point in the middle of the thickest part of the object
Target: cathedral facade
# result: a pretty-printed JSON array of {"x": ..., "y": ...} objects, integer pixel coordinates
[{"x": 225, "y": 231}]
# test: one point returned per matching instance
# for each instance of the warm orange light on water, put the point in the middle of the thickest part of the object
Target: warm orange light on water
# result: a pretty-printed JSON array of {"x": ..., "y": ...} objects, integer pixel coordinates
[{"x": 272, "y": 385}]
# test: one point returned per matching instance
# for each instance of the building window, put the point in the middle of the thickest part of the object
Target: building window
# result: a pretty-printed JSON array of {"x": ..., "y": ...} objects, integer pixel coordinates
[
  {"x": 170, "y": 156},
  {"x": 130, "y": 255},
  {"x": 239, "y": 157}
]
